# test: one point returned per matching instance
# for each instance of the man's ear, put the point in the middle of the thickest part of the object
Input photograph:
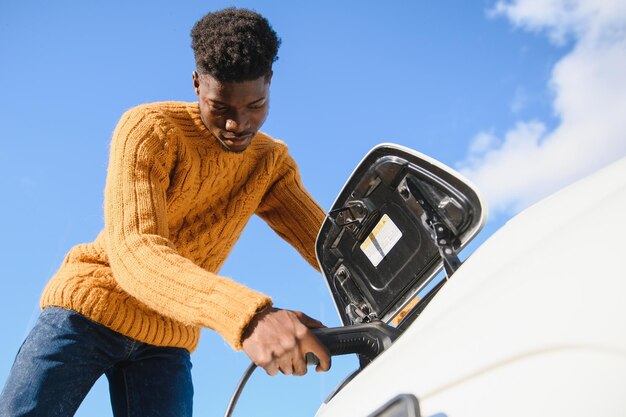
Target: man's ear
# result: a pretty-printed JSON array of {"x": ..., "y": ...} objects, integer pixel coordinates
[
  {"x": 196, "y": 82},
  {"x": 268, "y": 77}
]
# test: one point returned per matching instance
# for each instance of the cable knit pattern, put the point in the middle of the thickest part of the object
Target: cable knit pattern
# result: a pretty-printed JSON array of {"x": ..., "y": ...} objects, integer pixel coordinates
[{"x": 175, "y": 204}]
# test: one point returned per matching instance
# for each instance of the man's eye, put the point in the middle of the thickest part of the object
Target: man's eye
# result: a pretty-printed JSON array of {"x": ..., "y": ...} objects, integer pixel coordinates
[
  {"x": 258, "y": 105},
  {"x": 219, "y": 109}
]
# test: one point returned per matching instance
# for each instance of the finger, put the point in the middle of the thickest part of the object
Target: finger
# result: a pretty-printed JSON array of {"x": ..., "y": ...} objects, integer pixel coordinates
[
  {"x": 313, "y": 345},
  {"x": 271, "y": 368},
  {"x": 300, "y": 370},
  {"x": 322, "y": 355},
  {"x": 323, "y": 366},
  {"x": 286, "y": 366},
  {"x": 299, "y": 365}
]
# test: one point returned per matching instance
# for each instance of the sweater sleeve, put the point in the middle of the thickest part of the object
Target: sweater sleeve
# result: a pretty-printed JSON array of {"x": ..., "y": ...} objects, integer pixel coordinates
[
  {"x": 291, "y": 211},
  {"x": 144, "y": 261}
]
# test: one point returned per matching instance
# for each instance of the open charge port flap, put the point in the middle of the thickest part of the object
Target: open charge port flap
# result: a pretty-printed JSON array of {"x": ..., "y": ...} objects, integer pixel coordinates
[{"x": 390, "y": 239}]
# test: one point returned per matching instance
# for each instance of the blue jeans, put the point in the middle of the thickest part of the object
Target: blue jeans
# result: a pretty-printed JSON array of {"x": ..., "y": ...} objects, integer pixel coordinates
[{"x": 65, "y": 353}]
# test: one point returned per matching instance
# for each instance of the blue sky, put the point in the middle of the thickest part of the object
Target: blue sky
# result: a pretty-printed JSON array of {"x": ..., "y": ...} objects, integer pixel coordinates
[{"x": 522, "y": 97}]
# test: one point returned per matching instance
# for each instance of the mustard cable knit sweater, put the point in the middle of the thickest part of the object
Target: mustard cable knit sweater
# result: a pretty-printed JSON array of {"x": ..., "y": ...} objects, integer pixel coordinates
[{"x": 175, "y": 204}]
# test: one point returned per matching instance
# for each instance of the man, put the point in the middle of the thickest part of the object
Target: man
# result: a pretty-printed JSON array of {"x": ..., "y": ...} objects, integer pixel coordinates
[{"x": 182, "y": 182}]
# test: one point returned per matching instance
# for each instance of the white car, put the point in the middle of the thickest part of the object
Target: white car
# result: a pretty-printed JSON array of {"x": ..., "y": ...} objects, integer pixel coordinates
[{"x": 533, "y": 323}]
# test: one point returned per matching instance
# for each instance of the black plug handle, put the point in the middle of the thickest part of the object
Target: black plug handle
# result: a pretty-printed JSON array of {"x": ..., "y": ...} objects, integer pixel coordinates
[{"x": 367, "y": 339}]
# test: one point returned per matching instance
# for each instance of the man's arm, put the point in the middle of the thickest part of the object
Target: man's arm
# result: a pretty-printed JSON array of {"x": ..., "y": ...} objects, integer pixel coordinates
[
  {"x": 278, "y": 340},
  {"x": 290, "y": 210}
]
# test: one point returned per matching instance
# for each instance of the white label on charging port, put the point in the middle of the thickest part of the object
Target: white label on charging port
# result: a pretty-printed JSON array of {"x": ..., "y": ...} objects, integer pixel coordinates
[{"x": 381, "y": 240}]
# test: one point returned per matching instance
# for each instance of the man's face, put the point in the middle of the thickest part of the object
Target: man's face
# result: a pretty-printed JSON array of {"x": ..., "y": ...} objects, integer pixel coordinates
[{"x": 232, "y": 111}]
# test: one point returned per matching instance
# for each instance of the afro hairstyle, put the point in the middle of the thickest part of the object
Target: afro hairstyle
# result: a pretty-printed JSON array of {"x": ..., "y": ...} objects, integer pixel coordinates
[{"x": 234, "y": 45}]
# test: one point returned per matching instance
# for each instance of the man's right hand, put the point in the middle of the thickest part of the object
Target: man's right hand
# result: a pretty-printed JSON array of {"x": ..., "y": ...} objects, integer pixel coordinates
[{"x": 278, "y": 340}]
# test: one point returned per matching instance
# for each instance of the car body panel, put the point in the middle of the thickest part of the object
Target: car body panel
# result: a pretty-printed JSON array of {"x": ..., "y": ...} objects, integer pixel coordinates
[{"x": 534, "y": 321}]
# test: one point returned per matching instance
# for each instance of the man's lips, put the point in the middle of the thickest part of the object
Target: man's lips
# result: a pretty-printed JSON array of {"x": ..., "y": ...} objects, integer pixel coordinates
[
  {"x": 236, "y": 139},
  {"x": 236, "y": 143}
]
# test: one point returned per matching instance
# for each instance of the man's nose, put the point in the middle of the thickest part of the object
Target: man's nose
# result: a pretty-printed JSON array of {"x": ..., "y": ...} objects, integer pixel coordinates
[{"x": 235, "y": 124}]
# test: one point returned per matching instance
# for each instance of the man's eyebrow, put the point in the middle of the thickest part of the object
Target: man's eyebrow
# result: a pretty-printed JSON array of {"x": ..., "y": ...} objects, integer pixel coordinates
[
  {"x": 227, "y": 104},
  {"x": 218, "y": 102}
]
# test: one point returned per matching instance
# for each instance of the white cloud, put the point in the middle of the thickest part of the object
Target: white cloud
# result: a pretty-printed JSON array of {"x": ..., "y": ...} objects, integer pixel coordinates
[
  {"x": 589, "y": 85},
  {"x": 561, "y": 19}
]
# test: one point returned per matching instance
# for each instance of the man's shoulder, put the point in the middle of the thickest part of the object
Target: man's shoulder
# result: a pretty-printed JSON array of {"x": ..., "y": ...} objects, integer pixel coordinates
[
  {"x": 165, "y": 115},
  {"x": 166, "y": 108}
]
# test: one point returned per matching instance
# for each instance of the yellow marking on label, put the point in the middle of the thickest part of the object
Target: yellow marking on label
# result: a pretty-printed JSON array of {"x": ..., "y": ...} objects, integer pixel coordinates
[{"x": 381, "y": 240}]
